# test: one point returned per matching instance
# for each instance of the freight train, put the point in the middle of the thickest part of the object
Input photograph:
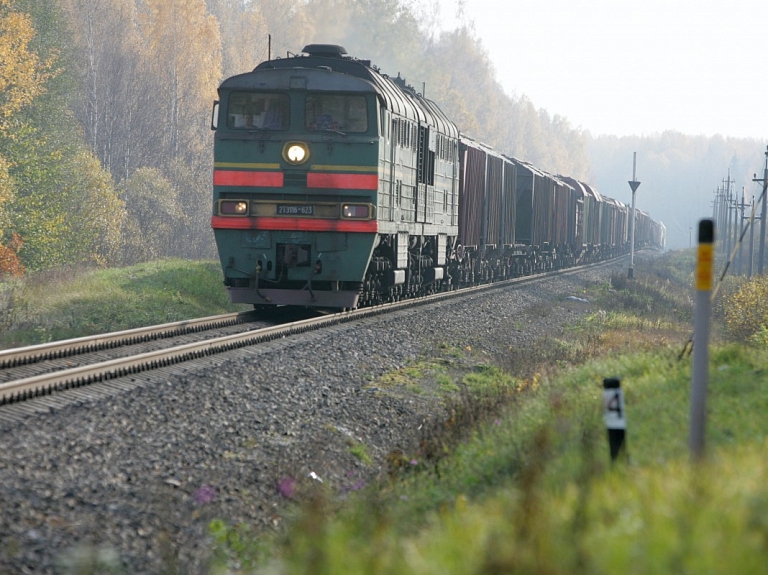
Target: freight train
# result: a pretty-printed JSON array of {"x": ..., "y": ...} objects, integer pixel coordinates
[{"x": 337, "y": 186}]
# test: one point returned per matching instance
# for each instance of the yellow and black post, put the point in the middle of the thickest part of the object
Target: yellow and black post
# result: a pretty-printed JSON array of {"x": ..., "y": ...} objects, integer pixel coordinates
[{"x": 700, "y": 371}]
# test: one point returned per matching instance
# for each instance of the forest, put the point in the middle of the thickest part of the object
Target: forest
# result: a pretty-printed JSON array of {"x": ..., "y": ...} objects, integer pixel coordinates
[{"x": 105, "y": 107}]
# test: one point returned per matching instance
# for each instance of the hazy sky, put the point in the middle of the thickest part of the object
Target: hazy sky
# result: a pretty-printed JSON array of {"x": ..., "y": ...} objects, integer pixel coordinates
[{"x": 628, "y": 67}]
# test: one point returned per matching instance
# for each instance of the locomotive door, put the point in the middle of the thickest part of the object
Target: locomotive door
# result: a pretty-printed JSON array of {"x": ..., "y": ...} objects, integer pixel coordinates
[
  {"x": 394, "y": 186},
  {"x": 425, "y": 170}
]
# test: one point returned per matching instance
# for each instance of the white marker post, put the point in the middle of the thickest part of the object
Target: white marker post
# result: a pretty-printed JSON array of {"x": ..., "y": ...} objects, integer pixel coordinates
[
  {"x": 614, "y": 415},
  {"x": 700, "y": 372}
]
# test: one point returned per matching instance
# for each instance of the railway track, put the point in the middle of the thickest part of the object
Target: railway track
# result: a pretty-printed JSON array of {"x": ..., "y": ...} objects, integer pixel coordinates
[{"x": 46, "y": 377}]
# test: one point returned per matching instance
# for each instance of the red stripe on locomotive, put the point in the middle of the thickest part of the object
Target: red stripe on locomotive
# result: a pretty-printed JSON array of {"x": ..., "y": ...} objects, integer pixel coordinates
[
  {"x": 343, "y": 181},
  {"x": 295, "y": 224},
  {"x": 239, "y": 178}
]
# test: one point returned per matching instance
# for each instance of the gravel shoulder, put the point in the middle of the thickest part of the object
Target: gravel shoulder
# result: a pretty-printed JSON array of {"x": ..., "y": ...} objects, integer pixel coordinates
[{"x": 142, "y": 474}]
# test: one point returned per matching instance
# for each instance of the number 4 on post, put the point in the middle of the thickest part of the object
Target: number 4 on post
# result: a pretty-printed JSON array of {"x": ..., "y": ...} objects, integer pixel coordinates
[{"x": 615, "y": 421}]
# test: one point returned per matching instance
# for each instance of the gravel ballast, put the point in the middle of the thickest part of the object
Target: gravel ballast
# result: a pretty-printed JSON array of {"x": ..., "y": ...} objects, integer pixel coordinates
[{"x": 135, "y": 478}]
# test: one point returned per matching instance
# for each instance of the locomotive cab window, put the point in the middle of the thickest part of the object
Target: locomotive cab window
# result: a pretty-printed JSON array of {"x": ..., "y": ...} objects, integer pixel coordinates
[
  {"x": 258, "y": 111},
  {"x": 335, "y": 112}
]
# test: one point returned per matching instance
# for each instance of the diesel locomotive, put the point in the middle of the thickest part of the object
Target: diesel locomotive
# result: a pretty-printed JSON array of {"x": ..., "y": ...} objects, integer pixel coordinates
[{"x": 337, "y": 186}]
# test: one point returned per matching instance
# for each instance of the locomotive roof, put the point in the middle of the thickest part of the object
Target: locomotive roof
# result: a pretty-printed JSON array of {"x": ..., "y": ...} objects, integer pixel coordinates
[{"x": 394, "y": 94}]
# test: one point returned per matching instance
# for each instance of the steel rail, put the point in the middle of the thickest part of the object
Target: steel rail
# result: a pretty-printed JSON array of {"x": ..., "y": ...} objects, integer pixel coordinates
[
  {"x": 68, "y": 347},
  {"x": 45, "y": 384}
]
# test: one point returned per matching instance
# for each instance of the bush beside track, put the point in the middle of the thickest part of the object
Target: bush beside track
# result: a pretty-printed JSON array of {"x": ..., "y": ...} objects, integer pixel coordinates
[{"x": 75, "y": 302}]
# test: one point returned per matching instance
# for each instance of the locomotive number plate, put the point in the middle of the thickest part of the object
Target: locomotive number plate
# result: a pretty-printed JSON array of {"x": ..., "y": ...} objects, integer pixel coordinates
[{"x": 295, "y": 210}]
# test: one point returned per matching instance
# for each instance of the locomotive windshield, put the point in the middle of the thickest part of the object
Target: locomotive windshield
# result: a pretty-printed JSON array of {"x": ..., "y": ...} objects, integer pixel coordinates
[
  {"x": 343, "y": 113},
  {"x": 258, "y": 111}
]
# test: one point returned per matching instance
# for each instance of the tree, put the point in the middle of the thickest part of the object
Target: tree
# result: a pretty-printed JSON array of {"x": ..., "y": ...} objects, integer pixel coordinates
[
  {"x": 97, "y": 207},
  {"x": 155, "y": 218},
  {"x": 244, "y": 35},
  {"x": 6, "y": 195},
  {"x": 182, "y": 50},
  {"x": 63, "y": 208},
  {"x": 287, "y": 23},
  {"x": 22, "y": 78},
  {"x": 148, "y": 75},
  {"x": 108, "y": 68},
  {"x": 22, "y": 73},
  {"x": 9, "y": 258},
  {"x": 10, "y": 264},
  {"x": 469, "y": 73},
  {"x": 392, "y": 40},
  {"x": 193, "y": 185}
]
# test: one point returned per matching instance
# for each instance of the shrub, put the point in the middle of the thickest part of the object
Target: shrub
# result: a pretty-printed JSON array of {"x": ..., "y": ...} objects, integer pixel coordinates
[
  {"x": 9, "y": 258},
  {"x": 746, "y": 310}
]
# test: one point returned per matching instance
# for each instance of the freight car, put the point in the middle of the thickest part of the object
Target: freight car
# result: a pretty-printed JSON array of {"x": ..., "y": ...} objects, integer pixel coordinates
[{"x": 337, "y": 186}]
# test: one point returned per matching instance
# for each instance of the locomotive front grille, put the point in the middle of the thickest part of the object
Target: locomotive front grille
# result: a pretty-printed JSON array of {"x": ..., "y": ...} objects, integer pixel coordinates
[{"x": 295, "y": 178}]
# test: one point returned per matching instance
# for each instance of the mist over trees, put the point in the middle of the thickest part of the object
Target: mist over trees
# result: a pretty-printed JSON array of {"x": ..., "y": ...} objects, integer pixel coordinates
[
  {"x": 679, "y": 175},
  {"x": 105, "y": 146}
]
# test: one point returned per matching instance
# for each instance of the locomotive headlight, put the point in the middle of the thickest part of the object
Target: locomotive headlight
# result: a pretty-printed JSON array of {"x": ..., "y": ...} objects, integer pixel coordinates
[
  {"x": 295, "y": 153},
  {"x": 356, "y": 211},
  {"x": 233, "y": 208}
]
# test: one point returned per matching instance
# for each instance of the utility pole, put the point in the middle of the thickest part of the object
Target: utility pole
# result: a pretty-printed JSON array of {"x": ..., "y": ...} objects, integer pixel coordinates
[
  {"x": 719, "y": 217},
  {"x": 750, "y": 267},
  {"x": 761, "y": 251},
  {"x": 728, "y": 226},
  {"x": 742, "y": 222},
  {"x": 727, "y": 215},
  {"x": 634, "y": 184},
  {"x": 723, "y": 218}
]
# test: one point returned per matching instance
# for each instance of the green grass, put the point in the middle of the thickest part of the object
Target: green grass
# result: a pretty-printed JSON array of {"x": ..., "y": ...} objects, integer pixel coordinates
[
  {"x": 534, "y": 491},
  {"x": 74, "y": 303},
  {"x": 360, "y": 451}
]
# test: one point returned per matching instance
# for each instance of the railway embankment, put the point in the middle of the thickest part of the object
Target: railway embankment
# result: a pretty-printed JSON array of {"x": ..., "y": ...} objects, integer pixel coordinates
[{"x": 159, "y": 479}]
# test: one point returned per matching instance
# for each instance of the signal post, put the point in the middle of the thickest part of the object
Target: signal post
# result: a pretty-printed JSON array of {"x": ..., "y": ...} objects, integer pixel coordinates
[{"x": 634, "y": 184}]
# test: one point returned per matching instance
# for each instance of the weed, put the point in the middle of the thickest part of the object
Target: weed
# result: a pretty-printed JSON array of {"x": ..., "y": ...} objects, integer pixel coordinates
[
  {"x": 618, "y": 281},
  {"x": 360, "y": 451},
  {"x": 746, "y": 310},
  {"x": 446, "y": 384},
  {"x": 235, "y": 547},
  {"x": 760, "y": 337}
]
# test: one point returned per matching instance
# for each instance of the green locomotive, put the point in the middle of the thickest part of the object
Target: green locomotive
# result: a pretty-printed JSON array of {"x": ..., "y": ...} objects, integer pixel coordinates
[{"x": 335, "y": 186}]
